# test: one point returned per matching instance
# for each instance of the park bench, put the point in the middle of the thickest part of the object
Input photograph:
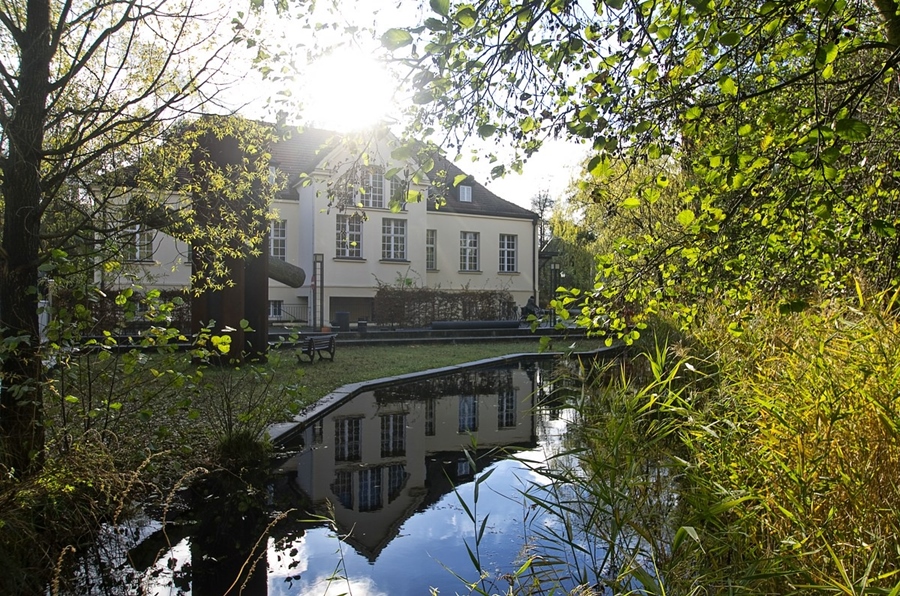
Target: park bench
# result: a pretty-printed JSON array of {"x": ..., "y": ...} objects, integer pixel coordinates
[{"x": 317, "y": 344}]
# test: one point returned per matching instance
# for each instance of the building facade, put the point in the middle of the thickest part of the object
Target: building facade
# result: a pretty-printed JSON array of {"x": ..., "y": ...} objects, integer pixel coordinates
[{"x": 354, "y": 217}]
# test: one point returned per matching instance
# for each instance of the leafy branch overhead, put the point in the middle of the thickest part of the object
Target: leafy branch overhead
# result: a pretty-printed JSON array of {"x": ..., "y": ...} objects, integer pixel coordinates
[
  {"x": 87, "y": 90},
  {"x": 778, "y": 119}
]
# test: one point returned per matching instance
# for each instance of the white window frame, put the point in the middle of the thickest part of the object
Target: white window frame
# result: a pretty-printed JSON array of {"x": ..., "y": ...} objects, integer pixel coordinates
[
  {"x": 468, "y": 251},
  {"x": 139, "y": 247},
  {"x": 276, "y": 309},
  {"x": 393, "y": 435},
  {"x": 393, "y": 239},
  {"x": 370, "y": 498},
  {"x": 506, "y": 409},
  {"x": 509, "y": 262},
  {"x": 468, "y": 413},
  {"x": 398, "y": 190},
  {"x": 431, "y": 250},
  {"x": 342, "y": 487},
  {"x": 397, "y": 476},
  {"x": 348, "y": 439},
  {"x": 348, "y": 237},
  {"x": 373, "y": 197},
  {"x": 465, "y": 193},
  {"x": 278, "y": 239}
]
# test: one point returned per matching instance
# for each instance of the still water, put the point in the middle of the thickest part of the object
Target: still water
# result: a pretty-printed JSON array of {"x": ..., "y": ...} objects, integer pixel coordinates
[{"x": 378, "y": 496}]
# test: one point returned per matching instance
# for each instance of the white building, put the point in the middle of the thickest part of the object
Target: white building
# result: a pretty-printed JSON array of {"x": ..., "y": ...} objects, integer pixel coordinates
[{"x": 457, "y": 236}]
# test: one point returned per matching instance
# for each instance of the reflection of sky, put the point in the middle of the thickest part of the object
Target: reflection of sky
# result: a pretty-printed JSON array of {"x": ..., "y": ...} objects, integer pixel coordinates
[
  {"x": 427, "y": 552},
  {"x": 429, "y": 548},
  {"x": 163, "y": 571}
]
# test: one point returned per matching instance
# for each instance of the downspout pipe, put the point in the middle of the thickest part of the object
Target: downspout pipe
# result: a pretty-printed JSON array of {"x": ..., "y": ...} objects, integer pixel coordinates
[{"x": 535, "y": 257}]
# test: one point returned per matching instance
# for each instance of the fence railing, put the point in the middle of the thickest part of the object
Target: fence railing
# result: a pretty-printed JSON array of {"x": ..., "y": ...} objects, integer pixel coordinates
[{"x": 291, "y": 313}]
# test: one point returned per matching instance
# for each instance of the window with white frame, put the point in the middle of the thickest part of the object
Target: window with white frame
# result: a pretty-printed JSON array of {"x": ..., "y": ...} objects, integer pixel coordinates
[
  {"x": 278, "y": 239},
  {"x": 342, "y": 487},
  {"x": 463, "y": 468},
  {"x": 398, "y": 190},
  {"x": 139, "y": 243},
  {"x": 431, "y": 249},
  {"x": 370, "y": 489},
  {"x": 348, "y": 237},
  {"x": 393, "y": 435},
  {"x": 347, "y": 439},
  {"x": 506, "y": 409},
  {"x": 508, "y": 253},
  {"x": 393, "y": 239},
  {"x": 276, "y": 308},
  {"x": 468, "y": 413},
  {"x": 396, "y": 479},
  {"x": 465, "y": 193},
  {"x": 468, "y": 251},
  {"x": 373, "y": 185}
]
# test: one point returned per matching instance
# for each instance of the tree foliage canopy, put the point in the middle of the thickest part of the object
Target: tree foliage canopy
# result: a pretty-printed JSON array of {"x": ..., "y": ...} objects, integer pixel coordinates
[
  {"x": 777, "y": 118},
  {"x": 85, "y": 89}
]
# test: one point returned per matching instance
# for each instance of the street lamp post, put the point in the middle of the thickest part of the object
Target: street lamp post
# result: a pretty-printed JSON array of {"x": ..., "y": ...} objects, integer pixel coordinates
[{"x": 318, "y": 302}]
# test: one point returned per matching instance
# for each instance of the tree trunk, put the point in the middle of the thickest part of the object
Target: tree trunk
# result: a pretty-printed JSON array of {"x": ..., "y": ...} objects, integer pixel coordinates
[{"x": 21, "y": 401}]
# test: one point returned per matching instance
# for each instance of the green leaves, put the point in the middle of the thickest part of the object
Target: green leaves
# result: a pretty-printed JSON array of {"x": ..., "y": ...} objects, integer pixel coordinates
[
  {"x": 728, "y": 86},
  {"x": 486, "y": 130},
  {"x": 466, "y": 17},
  {"x": 826, "y": 55},
  {"x": 730, "y": 39},
  {"x": 851, "y": 129},
  {"x": 686, "y": 218},
  {"x": 442, "y": 7},
  {"x": 396, "y": 38}
]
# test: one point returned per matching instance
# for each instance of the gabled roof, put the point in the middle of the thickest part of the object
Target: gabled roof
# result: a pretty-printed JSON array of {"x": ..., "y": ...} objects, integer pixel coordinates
[
  {"x": 299, "y": 152},
  {"x": 302, "y": 152},
  {"x": 483, "y": 202}
]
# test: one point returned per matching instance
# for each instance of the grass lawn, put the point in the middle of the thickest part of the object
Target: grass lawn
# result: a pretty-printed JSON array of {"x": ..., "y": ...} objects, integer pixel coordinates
[{"x": 353, "y": 364}]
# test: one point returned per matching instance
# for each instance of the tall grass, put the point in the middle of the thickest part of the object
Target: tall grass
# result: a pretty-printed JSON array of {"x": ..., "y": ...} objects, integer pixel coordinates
[
  {"x": 759, "y": 463},
  {"x": 802, "y": 426}
]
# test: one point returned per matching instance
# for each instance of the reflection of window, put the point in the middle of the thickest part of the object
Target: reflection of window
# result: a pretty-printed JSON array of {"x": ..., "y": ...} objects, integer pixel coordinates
[
  {"x": 393, "y": 239},
  {"x": 278, "y": 239},
  {"x": 139, "y": 244},
  {"x": 370, "y": 489},
  {"x": 275, "y": 308},
  {"x": 468, "y": 251},
  {"x": 348, "y": 237},
  {"x": 318, "y": 432},
  {"x": 465, "y": 193},
  {"x": 393, "y": 435},
  {"x": 429, "y": 417},
  {"x": 396, "y": 479},
  {"x": 506, "y": 410},
  {"x": 342, "y": 488},
  {"x": 431, "y": 249},
  {"x": 468, "y": 413},
  {"x": 463, "y": 468},
  {"x": 346, "y": 439},
  {"x": 508, "y": 253},
  {"x": 374, "y": 187}
]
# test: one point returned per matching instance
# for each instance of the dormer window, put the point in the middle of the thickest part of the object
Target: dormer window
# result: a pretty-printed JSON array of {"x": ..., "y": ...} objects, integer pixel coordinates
[
  {"x": 465, "y": 194},
  {"x": 373, "y": 184}
]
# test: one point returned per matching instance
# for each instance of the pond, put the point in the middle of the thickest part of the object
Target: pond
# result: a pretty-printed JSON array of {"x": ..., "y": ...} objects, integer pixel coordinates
[{"x": 426, "y": 484}]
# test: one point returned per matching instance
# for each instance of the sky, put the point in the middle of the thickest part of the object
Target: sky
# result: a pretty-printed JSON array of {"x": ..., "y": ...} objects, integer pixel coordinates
[{"x": 349, "y": 89}]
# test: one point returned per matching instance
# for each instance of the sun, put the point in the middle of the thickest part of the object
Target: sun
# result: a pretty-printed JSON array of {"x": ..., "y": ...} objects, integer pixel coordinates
[{"x": 347, "y": 90}]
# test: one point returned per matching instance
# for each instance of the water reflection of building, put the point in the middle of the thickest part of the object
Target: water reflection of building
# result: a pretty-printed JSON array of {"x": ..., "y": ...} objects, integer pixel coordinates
[{"x": 384, "y": 454}]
